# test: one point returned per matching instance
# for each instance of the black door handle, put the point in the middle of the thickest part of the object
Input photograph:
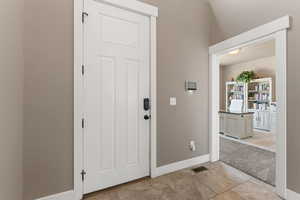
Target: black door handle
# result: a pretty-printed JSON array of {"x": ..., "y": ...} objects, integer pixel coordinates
[{"x": 147, "y": 117}]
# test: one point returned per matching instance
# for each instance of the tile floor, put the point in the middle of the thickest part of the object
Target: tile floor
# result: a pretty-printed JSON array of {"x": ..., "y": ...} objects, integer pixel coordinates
[{"x": 219, "y": 182}]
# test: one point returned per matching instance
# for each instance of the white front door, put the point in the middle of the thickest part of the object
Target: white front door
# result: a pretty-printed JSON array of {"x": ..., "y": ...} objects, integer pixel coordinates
[{"x": 116, "y": 81}]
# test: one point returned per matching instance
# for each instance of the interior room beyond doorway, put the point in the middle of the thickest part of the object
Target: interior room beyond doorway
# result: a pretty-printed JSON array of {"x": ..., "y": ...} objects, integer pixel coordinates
[
  {"x": 248, "y": 110},
  {"x": 248, "y": 85}
]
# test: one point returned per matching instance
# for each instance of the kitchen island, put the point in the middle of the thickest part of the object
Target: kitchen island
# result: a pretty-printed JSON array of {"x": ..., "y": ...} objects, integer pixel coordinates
[{"x": 238, "y": 125}]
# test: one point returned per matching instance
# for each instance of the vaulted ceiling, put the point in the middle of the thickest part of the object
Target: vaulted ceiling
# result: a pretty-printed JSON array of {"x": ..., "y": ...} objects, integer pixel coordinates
[{"x": 236, "y": 16}]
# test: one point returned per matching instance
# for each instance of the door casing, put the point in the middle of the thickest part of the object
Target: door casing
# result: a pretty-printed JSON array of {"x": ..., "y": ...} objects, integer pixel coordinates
[
  {"x": 133, "y": 6},
  {"x": 276, "y": 30}
]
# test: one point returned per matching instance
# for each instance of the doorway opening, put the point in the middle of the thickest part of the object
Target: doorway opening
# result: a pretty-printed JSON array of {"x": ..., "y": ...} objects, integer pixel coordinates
[
  {"x": 248, "y": 110},
  {"x": 242, "y": 114}
]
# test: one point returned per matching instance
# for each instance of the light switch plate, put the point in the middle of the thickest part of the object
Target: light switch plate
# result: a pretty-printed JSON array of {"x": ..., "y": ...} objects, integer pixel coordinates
[{"x": 173, "y": 101}]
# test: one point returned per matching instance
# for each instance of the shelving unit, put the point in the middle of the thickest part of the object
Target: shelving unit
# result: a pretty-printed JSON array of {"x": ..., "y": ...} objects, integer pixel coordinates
[
  {"x": 259, "y": 94},
  {"x": 257, "y": 98},
  {"x": 235, "y": 90}
]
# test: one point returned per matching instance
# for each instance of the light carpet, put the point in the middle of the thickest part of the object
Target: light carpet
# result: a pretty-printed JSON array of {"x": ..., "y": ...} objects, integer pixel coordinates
[{"x": 254, "y": 161}]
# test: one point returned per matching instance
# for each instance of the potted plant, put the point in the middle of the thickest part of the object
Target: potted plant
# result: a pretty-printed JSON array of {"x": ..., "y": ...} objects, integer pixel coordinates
[{"x": 246, "y": 76}]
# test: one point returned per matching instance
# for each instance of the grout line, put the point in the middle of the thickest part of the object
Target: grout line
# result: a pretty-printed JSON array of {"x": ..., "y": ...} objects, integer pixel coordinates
[
  {"x": 231, "y": 190},
  {"x": 232, "y": 187}
]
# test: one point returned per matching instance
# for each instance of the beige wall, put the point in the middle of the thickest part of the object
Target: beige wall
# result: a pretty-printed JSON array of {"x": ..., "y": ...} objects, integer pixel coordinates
[
  {"x": 240, "y": 16},
  {"x": 264, "y": 68},
  {"x": 11, "y": 87},
  {"x": 183, "y": 42},
  {"x": 48, "y": 98}
]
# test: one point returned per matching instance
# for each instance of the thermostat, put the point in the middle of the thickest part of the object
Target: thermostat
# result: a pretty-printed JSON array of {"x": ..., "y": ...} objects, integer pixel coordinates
[{"x": 190, "y": 85}]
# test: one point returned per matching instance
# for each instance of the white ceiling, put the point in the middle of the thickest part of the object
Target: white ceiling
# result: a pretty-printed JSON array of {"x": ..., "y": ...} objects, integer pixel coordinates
[{"x": 249, "y": 53}]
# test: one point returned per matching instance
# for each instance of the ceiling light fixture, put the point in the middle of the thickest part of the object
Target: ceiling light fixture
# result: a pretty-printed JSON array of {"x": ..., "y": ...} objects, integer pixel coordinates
[{"x": 234, "y": 52}]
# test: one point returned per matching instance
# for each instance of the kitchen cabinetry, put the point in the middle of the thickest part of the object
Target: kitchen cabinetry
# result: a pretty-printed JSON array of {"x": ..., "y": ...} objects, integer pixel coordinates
[
  {"x": 236, "y": 125},
  {"x": 262, "y": 120}
]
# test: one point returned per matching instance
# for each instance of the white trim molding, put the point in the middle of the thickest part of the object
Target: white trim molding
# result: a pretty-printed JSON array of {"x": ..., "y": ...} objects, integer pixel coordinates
[
  {"x": 78, "y": 93},
  {"x": 291, "y": 195},
  {"x": 180, "y": 165},
  {"x": 282, "y": 23},
  {"x": 281, "y": 116},
  {"x": 153, "y": 72},
  {"x": 69, "y": 195},
  {"x": 276, "y": 30},
  {"x": 134, "y": 5}
]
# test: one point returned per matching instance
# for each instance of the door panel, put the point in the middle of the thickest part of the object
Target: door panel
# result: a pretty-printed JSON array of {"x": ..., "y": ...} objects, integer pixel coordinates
[
  {"x": 113, "y": 26},
  {"x": 107, "y": 105},
  {"x": 116, "y": 80}
]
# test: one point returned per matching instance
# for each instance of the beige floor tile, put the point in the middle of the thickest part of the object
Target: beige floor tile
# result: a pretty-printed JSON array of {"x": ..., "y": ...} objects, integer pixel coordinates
[
  {"x": 223, "y": 169},
  {"x": 263, "y": 184},
  {"x": 185, "y": 184},
  {"x": 221, "y": 178},
  {"x": 253, "y": 191},
  {"x": 227, "y": 182},
  {"x": 104, "y": 195},
  {"x": 230, "y": 195}
]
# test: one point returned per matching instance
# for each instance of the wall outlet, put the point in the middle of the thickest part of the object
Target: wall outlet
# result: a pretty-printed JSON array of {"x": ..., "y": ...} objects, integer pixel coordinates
[{"x": 192, "y": 145}]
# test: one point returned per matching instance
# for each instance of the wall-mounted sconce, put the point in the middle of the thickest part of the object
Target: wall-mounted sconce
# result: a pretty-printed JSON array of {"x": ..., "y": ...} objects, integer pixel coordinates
[{"x": 191, "y": 86}]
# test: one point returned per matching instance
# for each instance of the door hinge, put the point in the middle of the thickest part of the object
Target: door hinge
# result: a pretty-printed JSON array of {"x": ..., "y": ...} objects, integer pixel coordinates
[
  {"x": 83, "y": 15},
  {"x": 82, "y": 69},
  {"x": 82, "y": 123},
  {"x": 83, "y": 173}
]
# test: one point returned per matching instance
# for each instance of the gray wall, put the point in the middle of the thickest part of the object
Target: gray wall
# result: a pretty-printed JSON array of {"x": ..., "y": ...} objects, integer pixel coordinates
[
  {"x": 183, "y": 42},
  {"x": 240, "y": 16},
  {"x": 11, "y": 87},
  {"x": 263, "y": 67},
  {"x": 48, "y": 98}
]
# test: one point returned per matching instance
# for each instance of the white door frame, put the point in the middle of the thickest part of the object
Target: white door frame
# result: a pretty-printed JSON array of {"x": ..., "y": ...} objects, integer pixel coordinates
[
  {"x": 274, "y": 30},
  {"x": 134, "y": 6}
]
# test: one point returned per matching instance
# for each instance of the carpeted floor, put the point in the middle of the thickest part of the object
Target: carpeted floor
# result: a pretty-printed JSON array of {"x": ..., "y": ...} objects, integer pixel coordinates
[{"x": 254, "y": 161}]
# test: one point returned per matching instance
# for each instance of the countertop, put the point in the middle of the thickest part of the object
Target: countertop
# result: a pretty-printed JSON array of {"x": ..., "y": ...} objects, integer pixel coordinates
[{"x": 236, "y": 113}]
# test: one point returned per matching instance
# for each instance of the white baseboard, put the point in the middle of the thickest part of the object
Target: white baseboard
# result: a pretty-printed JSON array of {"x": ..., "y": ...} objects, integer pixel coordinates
[
  {"x": 291, "y": 195},
  {"x": 180, "y": 165},
  {"x": 69, "y": 195}
]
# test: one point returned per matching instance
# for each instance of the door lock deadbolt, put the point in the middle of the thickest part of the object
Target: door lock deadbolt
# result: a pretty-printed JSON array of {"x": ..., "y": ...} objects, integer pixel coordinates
[{"x": 147, "y": 117}]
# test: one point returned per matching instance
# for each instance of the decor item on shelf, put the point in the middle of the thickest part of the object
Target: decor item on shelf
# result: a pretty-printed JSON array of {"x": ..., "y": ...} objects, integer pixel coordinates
[{"x": 246, "y": 76}]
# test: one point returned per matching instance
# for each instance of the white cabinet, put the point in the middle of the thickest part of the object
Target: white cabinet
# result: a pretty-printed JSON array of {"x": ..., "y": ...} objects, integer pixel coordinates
[
  {"x": 273, "y": 114},
  {"x": 262, "y": 120}
]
